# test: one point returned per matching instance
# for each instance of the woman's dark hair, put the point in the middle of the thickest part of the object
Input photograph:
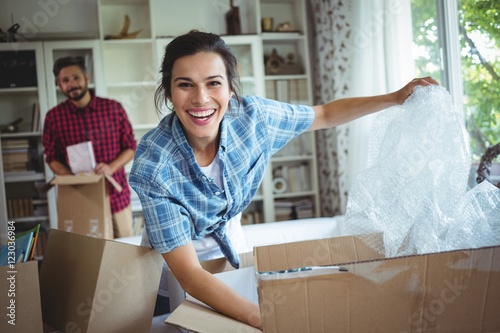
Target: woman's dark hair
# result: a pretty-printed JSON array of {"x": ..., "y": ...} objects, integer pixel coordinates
[
  {"x": 190, "y": 44},
  {"x": 68, "y": 61}
]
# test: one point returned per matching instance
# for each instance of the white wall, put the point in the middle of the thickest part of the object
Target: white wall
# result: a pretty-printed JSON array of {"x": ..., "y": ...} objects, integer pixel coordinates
[{"x": 42, "y": 19}]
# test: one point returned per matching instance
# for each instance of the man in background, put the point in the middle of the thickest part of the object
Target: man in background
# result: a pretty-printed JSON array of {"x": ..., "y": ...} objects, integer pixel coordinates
[{"x": 86, "y": 117}]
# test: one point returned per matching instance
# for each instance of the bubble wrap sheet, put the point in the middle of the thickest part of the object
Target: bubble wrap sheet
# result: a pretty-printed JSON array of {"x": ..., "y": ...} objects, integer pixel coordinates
[{"x": 415, "y": 188}]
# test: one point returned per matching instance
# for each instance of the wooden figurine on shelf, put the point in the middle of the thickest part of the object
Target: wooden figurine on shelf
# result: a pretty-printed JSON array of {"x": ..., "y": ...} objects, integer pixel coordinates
[
  {"x": 233, "y": 20},
  {"x": 3, "y": 36},
  {"x": 274, "y": 63},
  {"x": 11, "y": 33},
  {"x": 124, "y": 34},
  {"x": 11, "y": 127},
  {"x": 285, "y": 27},
  {"x": 277, "y": 65}
]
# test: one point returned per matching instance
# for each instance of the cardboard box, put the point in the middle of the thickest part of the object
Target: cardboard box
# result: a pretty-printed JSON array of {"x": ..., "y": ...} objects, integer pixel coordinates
[
  {"x": 95, "y": 285},
  {"x": 192, "y": 315},
  {"x": 349, "y": 287},
  {"x": 241, "y": 280},
  {"x": 83, "y": 205},
  {"x": 20, "y": 302}
]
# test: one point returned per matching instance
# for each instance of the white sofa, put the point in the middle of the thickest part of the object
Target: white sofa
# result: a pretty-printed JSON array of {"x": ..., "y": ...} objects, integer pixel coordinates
[
  {"x": 281, "y": 232},
  {"x": 266, "y": 234}
]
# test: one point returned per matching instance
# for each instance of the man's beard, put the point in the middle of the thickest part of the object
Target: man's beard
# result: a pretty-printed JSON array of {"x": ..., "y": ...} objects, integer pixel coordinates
[{"x": 79, "y": 96}]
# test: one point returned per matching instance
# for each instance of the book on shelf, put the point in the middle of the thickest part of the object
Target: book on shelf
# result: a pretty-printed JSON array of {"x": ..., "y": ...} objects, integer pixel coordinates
[
  {"x": 36, "y": 232},
  {"x": 293, "y": 209},
  {"x": 282, "y": 90},
  {"x": 20, "y": 207},
  {"x": 252, "y": 217},
  {"x": 21, "y": 155},
  {"x": 35, "y": 118},
  {"x": 24, "y": 248},
  {"x": 15, "y": 155},
  {"x": 15, "y": 144}
]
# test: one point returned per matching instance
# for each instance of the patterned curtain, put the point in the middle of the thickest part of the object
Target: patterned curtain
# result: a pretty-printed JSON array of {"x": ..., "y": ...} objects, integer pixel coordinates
[{"x": 330, "y": 32}]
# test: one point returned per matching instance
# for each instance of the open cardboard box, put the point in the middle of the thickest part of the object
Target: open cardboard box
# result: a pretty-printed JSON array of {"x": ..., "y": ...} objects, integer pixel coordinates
[
  {"x": 96, "y": 285},
  {"x": 349, "y": 287},
  {"x": 83, "y": 205},
  {"x": 242, "y": 280}
]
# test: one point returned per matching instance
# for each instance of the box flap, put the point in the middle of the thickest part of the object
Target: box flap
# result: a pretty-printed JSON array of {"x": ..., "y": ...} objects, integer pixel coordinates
[
  {"x": 95, "y": 285},
  {"x": 321, "y": 252},
  {"x": 198, "y": 317},
  {"x": 219, "y": 265},
  {"x": 84, "y": 178},
  {"x": 113, "y": 182},
  {"x": 20, "y": 301},
  {"x": 76, "y": 179}
]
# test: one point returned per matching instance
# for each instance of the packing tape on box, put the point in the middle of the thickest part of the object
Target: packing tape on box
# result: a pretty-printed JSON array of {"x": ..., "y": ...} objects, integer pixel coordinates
[{"x": 279, "y": 185}]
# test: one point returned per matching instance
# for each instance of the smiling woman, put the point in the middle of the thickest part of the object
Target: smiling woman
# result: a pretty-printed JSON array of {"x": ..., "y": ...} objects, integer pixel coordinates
[{"x": 202, "y": 165}]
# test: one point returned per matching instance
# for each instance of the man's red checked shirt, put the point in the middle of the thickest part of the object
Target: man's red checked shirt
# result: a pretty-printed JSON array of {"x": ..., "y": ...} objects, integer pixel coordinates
[{"x": 105, "y": 123}]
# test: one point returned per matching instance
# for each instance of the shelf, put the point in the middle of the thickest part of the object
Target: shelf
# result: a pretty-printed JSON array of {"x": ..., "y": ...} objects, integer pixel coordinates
[
  {"x": 294, "y": 194},
  {"x": 136, "y": 41},
  {"x": 40, "y": 202},
  {"x": 23, "y": 178},
  {"x": 123, "y": 2},
  {"x": 173, "y": 17},
  {"x": 292, "y": 11},
  {"x": 18, "y": 90},
  {"x": 21, "y": 135},
  {"x": 294, "y": 158},
  {"x": 29, "y": 219},
  {"x": 282, "y": 36},
  {"x": 112, "y": 17},
  {"x": 286, "y": 77}
]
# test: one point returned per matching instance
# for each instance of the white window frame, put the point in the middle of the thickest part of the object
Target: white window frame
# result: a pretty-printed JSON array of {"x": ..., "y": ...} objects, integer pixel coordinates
[{"x": 448, "y": 36}]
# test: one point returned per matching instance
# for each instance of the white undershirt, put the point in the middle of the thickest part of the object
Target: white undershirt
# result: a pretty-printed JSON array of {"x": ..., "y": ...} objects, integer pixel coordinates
[{"x": 207, "y": 248}]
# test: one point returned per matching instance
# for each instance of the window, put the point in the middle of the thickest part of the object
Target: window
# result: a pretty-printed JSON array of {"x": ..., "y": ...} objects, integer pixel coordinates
[{"x": 457, "y": 42}]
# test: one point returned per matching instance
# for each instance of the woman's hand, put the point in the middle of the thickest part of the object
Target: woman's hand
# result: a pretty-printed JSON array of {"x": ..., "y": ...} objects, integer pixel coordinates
[
  {"x": 402, "y": 94},
  {"x": 197, "y": 282}
]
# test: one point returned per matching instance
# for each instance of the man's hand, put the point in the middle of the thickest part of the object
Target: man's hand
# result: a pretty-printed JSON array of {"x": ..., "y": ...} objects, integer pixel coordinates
[{"x": 104, "y": 169}]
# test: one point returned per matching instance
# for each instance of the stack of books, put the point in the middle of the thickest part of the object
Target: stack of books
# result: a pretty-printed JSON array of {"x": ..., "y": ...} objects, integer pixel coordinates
[
  {"x": 20, "y": 248},
  {"x": 285, "y": 210},
  {"x": 20, "y": 207},
  {"x": 15, "y": 154}
]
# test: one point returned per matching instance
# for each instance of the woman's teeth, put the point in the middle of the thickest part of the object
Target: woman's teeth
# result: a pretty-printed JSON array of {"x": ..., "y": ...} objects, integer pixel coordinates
[{"x": 202, "y": 114}]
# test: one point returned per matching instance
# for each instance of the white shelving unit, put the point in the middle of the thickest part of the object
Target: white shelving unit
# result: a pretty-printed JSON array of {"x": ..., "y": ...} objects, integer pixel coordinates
[
  {"x": 20, "y": 199},
  {"x": 292, "y": 179},
  {"x": 128, "y": 70}
]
